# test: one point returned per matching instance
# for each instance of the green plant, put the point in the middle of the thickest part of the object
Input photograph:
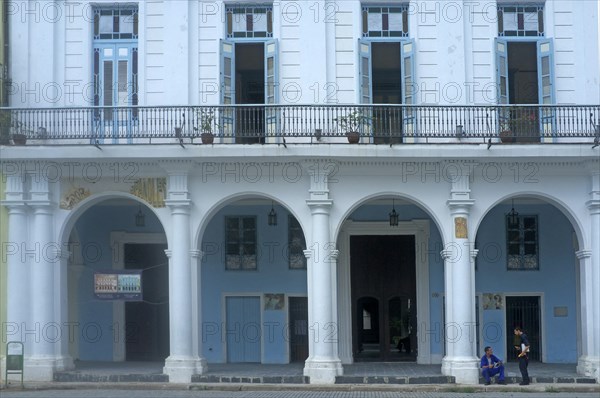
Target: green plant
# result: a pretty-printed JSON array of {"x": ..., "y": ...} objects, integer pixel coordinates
[
  {"x": 353, "y": 121},
  {"x": 8, "y": 125},
  {"x": 206, "y": 120}
]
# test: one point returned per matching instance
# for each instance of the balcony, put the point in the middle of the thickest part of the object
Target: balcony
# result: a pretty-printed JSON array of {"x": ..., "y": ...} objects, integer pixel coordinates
[{"x": 301, "y": 124}]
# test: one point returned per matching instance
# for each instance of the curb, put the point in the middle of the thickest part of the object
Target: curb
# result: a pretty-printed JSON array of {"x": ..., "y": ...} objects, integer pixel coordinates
[{"x": 455, "y": 388}]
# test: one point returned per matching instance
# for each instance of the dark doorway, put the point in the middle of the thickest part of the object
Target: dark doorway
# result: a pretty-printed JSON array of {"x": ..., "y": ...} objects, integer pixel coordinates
[
  {"x": 383, "y": 279},
  {"x": 523, "y": 311},
  {"x": 147, "y": 321},
  {"x": 522, "y": 73},
  {"x": 250, "y": 89},
  {"x": 387, "y": 89},
  {"x": 298, "y": 329}
]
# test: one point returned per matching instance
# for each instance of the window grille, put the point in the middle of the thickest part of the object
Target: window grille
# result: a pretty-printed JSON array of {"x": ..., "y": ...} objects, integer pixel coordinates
[
  {"x": 240, "y": 243},
  {"x": 385, "y": 21},
  {"x": 521, "y": 21},
  {"x": 249, "y": 22},
  {"x": 522, "y": 243}
]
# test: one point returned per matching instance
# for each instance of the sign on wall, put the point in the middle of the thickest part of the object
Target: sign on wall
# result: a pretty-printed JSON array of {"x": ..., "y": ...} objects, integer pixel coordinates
[{"x": 118, "y": 285}]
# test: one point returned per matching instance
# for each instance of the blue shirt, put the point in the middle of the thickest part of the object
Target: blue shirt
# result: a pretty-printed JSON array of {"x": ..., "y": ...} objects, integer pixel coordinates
[{"x": 484, "y": 361}]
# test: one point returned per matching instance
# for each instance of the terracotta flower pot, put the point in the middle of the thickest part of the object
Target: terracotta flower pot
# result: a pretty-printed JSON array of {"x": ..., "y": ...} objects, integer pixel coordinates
[
  {"x": 19, "y": 139},
  {"x": 207, "y": 138},
  {"x": 353, "y": 137},
  {"x": 507, "y": 136}
]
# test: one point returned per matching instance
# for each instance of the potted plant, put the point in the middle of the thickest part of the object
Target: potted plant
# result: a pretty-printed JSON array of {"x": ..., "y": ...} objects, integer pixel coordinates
[
  {"x": 206, "y": 120},
  {"x": 352, "y": 123},
  {"x": 522, "y": 124}
]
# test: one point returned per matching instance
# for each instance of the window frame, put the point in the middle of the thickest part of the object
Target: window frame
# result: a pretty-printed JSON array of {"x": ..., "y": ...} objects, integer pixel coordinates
[
  {"x": 522, "y": 243},
  {"x": 115, "y": 10},
  {"x": 240, "y": 243},
  {"x": 385, "y": 34},
  {"x": 520, "y": 9},
  {"x": 302, "y": 247},
  {"x": 230, "y": 11}
]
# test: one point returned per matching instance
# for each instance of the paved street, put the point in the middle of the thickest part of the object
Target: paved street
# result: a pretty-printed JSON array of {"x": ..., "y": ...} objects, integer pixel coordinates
[{"x": 110, "y": 393}]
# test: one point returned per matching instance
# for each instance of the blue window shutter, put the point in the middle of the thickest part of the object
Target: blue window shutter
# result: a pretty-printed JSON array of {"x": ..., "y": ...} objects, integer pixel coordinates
[
  {"x": 271, "y": 86},
  {"x": 226, "y": 116},
  {"x": 364, "y": 71},
  {"x": 545, "y": 66},
  {"x": 545, "y": 70},
  {"x": 502, "y": 70},
  {"x": 227, "y": 72},
  {"x": 407, "y": 76},
  {"x": 271, "y": 72}
]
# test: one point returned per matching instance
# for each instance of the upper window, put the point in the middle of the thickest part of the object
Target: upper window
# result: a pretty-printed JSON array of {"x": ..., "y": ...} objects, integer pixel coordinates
[
  {"x": 240, "y": 243},
  {"x": 521, "y": 21},
  {"x": 116, "y": 23},
  {"x": 249, "y": 22},
  {"x": 296, "y": 244},
  {"x": 385, "y": 21},
  {"x": 522, "y": 242}
]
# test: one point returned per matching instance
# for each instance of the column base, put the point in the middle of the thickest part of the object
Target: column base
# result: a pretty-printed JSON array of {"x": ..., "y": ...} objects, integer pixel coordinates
[
  {"x": 589, "y": 366},
  {"x": 181, "y": 369},
  {"x": 323, "y": 371},
  {"x": 464, "y": 369}
]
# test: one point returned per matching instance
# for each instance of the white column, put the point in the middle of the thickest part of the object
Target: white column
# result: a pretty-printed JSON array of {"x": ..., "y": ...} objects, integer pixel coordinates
[
  {"x": 18, "y": 314},
  {"x": 182, "y": 362},
  {"x": 460, "y": 328},
  {"x": 40, "y": 364},
  {"x": 589, "y": 260},
  {"x": 323, "y": 363}
]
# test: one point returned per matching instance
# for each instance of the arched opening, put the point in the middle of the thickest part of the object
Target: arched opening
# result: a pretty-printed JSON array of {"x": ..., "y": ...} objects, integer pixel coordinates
[
  {"x": 118, "y": 282},
  {"x": 253, "y": 284},
  {"x": 384, "y": 283},
  {"x": 526, "y": 275}
]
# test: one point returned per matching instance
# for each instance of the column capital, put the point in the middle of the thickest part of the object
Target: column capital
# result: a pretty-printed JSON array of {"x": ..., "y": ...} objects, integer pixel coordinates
[
  {"x": 593, "y": 206},
  {"x": 583, "y": 254},
  {"x": 460, "y": 206},
  {"x": 179, "y": 206},
  {"x": 15, "y": 206},
  {"x": 319, "y": 206},
  {"x": 41, "y": 206}
]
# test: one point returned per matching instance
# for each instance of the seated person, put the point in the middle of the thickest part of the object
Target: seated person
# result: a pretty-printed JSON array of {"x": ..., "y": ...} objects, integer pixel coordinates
[{"x": 491, "y": 366}]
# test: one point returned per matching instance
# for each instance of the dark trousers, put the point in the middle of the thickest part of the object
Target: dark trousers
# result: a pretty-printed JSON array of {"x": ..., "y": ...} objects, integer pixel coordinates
[
  {"x": 523, "y": 362},
  {"x": 488, "y": 373}
]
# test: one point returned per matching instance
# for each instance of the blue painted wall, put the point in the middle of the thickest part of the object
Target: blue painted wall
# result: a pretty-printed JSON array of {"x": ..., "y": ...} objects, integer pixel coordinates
[
  {"x": 96, "y": 316},
  {"x": 556, "y": 278},
  {"x": 272, "y": 276}
]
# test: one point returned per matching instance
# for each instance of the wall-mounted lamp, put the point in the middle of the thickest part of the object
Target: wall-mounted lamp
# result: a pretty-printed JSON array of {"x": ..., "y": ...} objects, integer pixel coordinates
[
  {"x": 272, "y": 217},
  {"x": 513, "y": 216},
  {"x": 140, "y": 218},
  {"x": 393, "y": 216}
]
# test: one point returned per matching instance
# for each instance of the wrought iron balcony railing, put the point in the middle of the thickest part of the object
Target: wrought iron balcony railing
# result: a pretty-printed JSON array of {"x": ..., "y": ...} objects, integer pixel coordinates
[{"x": 276, "y": 124}]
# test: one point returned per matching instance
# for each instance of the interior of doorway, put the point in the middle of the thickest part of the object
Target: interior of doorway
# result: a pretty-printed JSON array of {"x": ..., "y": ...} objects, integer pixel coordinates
[
  {"x": 147, "y": 321},
  {"x": 250, "y": 89},
  {"x": 522, "y": 73},
  {"x": 383, "y": 285},
  {"x": 523, "y": 311},
  {"x": 387, "y": 89}
]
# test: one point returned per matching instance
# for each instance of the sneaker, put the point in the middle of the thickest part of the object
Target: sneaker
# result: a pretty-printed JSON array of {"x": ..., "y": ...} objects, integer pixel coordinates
[
  {"x": 524, "y": 383},
  {"x": 487, "y": 383},
  {"x": 502, "y": 382}
]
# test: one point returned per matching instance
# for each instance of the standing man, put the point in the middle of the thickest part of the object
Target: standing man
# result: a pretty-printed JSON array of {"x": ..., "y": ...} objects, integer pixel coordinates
[
  {"x": 491, "y": 366},
  {"x": 523, "y": 358}
]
